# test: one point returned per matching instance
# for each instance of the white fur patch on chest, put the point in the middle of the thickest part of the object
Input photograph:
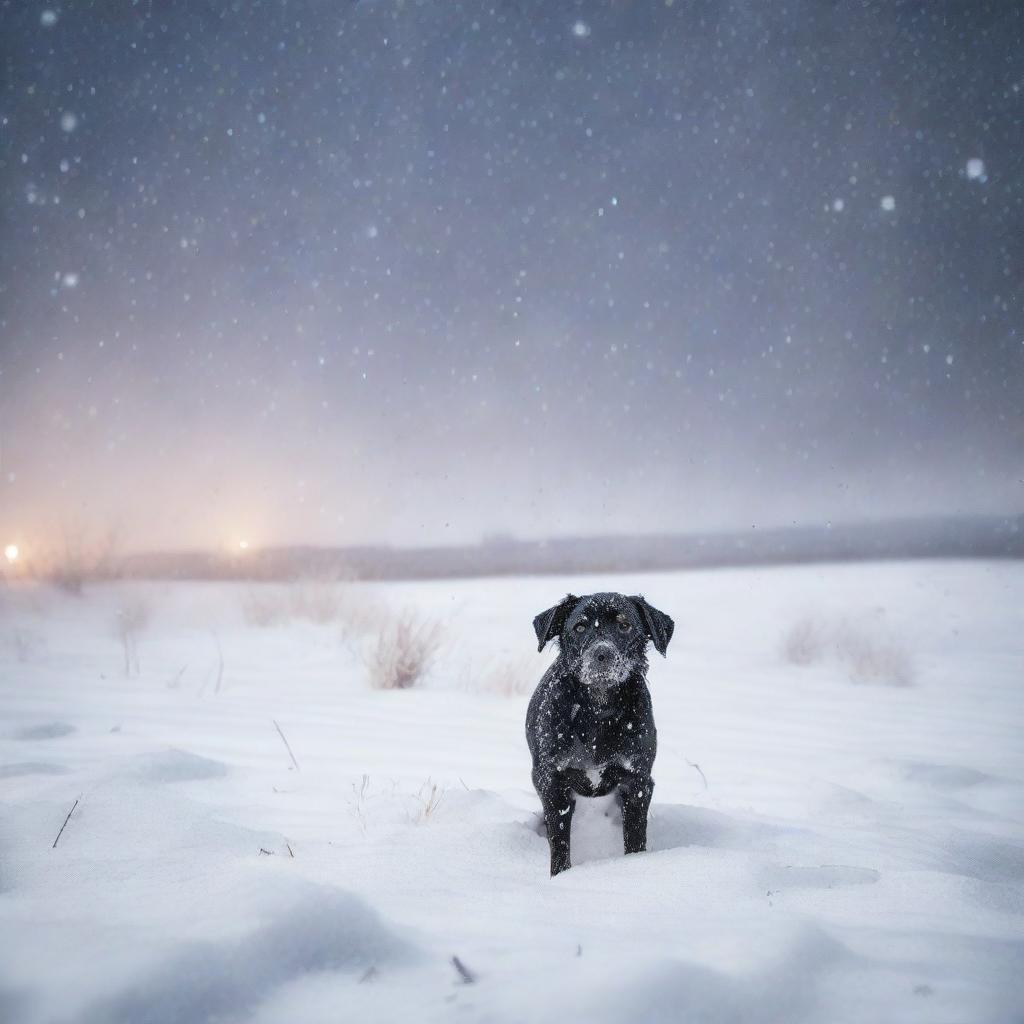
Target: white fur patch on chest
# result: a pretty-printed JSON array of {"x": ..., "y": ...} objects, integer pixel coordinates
[{"x": 594, "y": 775}]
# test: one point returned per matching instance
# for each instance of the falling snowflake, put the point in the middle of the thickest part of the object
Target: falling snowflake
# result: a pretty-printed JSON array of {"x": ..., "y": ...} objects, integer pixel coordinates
[
  {"x": 70, "y": 280},
  {"x": 48, "y": 19},
  {"x": 68, "y": 121},
  {"x": 838, "y": 205},
  {"x": 581, "y": 29},
  {"x": 888, "y": 203},
  {"x": 976, "y": 169}
]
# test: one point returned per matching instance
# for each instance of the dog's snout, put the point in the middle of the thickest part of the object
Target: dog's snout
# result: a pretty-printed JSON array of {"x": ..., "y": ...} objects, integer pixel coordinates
[{"x": 601, "y": 660}]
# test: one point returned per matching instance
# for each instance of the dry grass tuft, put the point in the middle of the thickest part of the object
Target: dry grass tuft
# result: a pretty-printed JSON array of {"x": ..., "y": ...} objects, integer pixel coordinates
[
  {"x": 131, "y": 619},
  {"x": 865, "y": 647},
  {"x": 430, "y": 796},
  {"x": 406, "y": 648}
]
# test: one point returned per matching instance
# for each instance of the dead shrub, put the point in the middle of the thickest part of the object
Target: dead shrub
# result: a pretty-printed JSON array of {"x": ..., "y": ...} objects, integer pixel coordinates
[
  {"x": 131, "y": 619},
  {"x": 865, "y": 647},
  {"x": 803, "y": 642},
  {"x": 872, "y": 658},
  {"x": 406, "y": 648}
]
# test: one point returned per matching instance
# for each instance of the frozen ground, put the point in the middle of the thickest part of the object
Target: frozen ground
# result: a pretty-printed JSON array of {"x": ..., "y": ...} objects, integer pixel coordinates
[{"x": 850, "y": 848}]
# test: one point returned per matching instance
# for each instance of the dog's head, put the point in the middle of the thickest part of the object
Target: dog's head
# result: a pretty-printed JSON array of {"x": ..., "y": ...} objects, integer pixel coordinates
[{"x": 603, "y": 637}]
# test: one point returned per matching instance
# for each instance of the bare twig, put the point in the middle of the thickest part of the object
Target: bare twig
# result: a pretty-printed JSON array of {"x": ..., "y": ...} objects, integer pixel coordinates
[
  {"x": 368, "y": 975},
  {"x": 359, "y": 794},
  {"x": 286, "y": 744},
  {"x": 467, "y": 976},
  {"x": 265, "y": 853},
  {"x": 290, "y": 851},
  {"x": 65, "y": 825},
  {"x": 693, "y": 764}
]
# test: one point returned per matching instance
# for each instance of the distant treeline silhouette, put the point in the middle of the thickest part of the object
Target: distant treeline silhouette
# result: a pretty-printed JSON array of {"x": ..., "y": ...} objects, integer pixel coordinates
[{"x": 949, "y": 537}]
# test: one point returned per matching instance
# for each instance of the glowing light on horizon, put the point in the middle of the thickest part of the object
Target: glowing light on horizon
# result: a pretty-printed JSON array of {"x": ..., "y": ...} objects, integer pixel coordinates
[
  {"x": 11, "y": 552},
  {"x": 243, "y": 545}
]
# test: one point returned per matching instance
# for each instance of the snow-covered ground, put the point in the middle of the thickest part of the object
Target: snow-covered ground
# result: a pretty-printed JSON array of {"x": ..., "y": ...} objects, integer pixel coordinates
[{"x": 837, "y": 831}]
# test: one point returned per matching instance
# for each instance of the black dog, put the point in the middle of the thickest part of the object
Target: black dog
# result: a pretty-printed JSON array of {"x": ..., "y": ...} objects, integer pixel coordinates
[{"x": 589, "y": 726}]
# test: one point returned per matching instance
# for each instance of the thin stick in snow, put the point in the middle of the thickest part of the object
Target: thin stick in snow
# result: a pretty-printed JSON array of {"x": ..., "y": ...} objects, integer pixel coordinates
[
  {"x": 286, "y": 744},
  {"x": 702, "y": 775},
  {"x": 467, "y": 976},
  {"x": 65, "y": 825}
]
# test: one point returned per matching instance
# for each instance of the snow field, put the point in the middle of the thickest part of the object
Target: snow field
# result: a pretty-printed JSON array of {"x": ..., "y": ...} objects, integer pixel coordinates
[{"x": 828, "y": 842}]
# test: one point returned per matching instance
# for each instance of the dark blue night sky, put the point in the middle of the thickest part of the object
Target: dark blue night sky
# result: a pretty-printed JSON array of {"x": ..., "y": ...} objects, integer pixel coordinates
[{"x": 420, "y": 271}]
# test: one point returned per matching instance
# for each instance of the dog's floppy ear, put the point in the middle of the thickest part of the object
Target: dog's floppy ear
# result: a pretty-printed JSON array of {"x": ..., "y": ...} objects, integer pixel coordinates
[
  {"x": 658, "y": 625},
  {"x": 550, "y": 624}
]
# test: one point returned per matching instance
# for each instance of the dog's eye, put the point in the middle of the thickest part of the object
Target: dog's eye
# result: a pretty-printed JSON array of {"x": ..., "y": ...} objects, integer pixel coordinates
[
  {"x": 581, "y": 627},
  {"x": 624, "y": 626}
]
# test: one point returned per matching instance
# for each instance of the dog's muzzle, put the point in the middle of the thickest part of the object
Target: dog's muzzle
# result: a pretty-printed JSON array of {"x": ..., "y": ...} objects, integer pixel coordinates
[{"x": 602, "y": 664}]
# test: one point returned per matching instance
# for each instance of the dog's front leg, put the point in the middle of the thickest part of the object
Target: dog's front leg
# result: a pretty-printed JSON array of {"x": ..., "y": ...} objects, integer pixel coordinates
[
  {"x": 636, "y": 801},
  {"x": 558, "y": 802}
]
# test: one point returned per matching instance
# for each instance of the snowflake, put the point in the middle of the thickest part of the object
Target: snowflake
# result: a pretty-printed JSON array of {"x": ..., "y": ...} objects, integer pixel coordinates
[{"x": 976, "y": 169}]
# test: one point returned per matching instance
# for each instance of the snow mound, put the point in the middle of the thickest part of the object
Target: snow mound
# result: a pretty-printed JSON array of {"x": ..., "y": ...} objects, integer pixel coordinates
[
  {"x": 323, "y": 930},
  {"x": 782, "y": 990},
  {"x": 177, "y": 766}
]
